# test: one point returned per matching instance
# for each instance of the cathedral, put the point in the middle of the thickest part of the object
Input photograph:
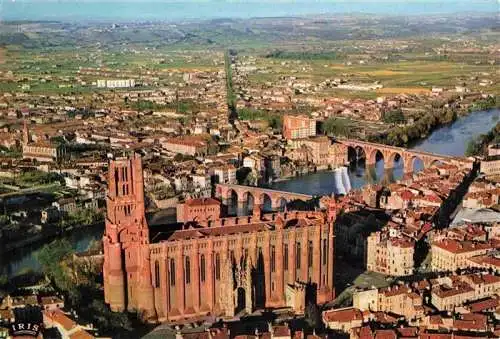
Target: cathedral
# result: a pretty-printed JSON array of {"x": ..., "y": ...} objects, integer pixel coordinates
[{"x": 223, "y": 267}]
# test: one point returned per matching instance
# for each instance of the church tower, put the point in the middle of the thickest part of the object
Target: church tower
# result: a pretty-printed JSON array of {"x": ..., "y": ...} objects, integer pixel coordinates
[
  {"x": 127, "y": 268},
  {"x": 26, "y": 133}
]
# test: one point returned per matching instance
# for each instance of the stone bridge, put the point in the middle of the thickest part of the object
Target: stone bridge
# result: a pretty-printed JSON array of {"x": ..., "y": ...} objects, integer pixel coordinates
[
  {"x": 277, "y": 198},
  {"x": 389, "y": 153}
]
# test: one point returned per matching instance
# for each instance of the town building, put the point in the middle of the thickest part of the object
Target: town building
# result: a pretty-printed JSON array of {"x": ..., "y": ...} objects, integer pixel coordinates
[
  {"x": 490, "y": 166},
  {"x": 41, "y": 151},
  {"x": 398, "y": 299},
  {"x": 491, "y": 262},
  {"x": 321, "y": 151},
  {"x": 199, "y": 210},
  {"x": 67, "y": 328},
  {"x": 390, "y": 255},
  {"x": 298, "y": 126},
  {"x": 451, "y": 254},
  {"x": 186, "y": 146},
  {"x": 494, "y": 150},
  {"x": 221, "y": 268},
  {"x": 115, "y": 83},
  {"x": 225, "y": 174},
  {"x": 344, "y": 319},
  {"x": 446, "y": 297}
]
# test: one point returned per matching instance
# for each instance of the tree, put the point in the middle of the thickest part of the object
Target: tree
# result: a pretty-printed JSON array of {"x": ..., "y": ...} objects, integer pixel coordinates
[
  {"x": 338, "y": 127},
  {"x": 394, "y": 117},
  {"x": 3, "y": 280},
  {"x": 275, "y": 122},
  {"x": 51, "y": 257},
  {"x": 242, "y": 174},
  {"x": 472, "y": 147},
  {"x": 179, "y": 157},
  {"x": 312, "y": 315}
]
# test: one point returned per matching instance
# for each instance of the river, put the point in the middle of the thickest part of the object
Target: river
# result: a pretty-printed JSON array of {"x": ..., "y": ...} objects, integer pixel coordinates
[
  {"x": 450, "y": 140},
  {"x": 25, "y": 259}
]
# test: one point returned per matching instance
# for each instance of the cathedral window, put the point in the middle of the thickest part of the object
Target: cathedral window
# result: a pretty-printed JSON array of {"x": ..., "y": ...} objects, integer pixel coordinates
[
  {"x": 260, "y": 260},
  {"x": 285, "y": 257},
  {"x": 116, "y": 181},
  {"x": 325, "y": 252},
  {"x": 202, "y": 268},
  {"x": 273, "y": 259},
  {"x": 310, "y": 254},
  {"x": 157, "y": 274},
  {"x": 187, "y": 270},
  {"x": 172, "y": 272},
  {"x": 297, "y": 256},
  {"x": 217, "y": 266}
]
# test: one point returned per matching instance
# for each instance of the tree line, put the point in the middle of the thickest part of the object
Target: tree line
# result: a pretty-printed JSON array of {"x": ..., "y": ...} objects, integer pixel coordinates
[
  {"x": 273, "y": 119},
  {"x": 230, "y": 95},
  {"x": 478, "y": 146},
  {"x": 81, "y": 287},
  {"x": 404, "y": 135}
]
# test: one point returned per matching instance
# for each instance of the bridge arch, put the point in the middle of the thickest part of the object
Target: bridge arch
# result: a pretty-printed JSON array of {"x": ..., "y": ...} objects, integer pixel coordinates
[
  {"x": 395, "y": 158},
  {"x": 435, "y": 162},
  {"x": 265, "y": 202},
  {"x": 375, "y": 155},
  {"x": 230, "y": 198},
  {"x": 249, "y": 201},
  {"x": 356, "y": 154},
  {"x": 245, "y": 198},
  {"x": 280, "y": 204},
  {"x": 232, "y": 195},
  {"x": 413, "y": 160},
  {"x": 417, "y": 164}
]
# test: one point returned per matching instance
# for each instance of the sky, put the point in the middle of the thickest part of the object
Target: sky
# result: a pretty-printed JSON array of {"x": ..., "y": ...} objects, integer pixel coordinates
[
  {"x": 136, "y": 10},
  {"x": 275, "y": 1}
]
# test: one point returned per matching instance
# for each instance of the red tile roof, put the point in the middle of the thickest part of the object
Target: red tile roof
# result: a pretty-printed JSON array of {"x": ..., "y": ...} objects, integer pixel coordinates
[
  {"x": 480, "y": 306},
  {"x": 343, "y": 315},
  {"x": 202, "y": 202},
  {"x": 456, "y": 246},
  {"x": 59, "y": 317}
]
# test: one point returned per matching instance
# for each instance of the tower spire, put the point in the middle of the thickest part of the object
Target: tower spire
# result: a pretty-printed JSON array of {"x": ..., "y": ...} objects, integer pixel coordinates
[{"x": 26, "y": 133}]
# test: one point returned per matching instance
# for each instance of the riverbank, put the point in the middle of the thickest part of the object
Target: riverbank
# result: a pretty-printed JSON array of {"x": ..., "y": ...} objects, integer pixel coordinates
[
  {"x": 45, "y": 236},
  {"x": 406, "y": 136},
  {"x": 479, "y": 146},
  {"x": 301, "y": 172},
  {"x": 23, "y": 257}
]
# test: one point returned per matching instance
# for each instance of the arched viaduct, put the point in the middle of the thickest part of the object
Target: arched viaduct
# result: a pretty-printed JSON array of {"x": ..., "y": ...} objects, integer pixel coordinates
[
  {"x": 389, "y": 153},
  {"x": 277, "y": 198}
]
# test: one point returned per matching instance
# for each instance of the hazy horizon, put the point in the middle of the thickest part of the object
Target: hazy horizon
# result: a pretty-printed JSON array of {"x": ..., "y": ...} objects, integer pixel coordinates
[{"x": 168, "y": 10}]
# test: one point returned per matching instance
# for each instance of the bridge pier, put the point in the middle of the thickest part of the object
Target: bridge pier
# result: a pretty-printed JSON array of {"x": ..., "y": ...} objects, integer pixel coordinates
[
  {"x": 371, "y": 174},
  {"x": 276, "y": 205},
  {"x": 388, "y": 176},
  {"x": 408, "y": 163},
  {"x": 370, "y": 162},
  {"x": 241, "y": 208},
  {"x": 428, "y": 163}
]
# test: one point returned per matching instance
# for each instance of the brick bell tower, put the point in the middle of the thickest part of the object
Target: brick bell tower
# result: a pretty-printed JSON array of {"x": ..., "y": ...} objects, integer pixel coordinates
[{"x": 127, "y": 268}]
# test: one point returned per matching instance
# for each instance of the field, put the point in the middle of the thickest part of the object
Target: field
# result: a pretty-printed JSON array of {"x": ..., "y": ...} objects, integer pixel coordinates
[
  {"x": 397, "y": 77},
  {"x": 406, "y": 55},
  {"x": 56, "y": 71},
  {"x": 2, "y": 56}
]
